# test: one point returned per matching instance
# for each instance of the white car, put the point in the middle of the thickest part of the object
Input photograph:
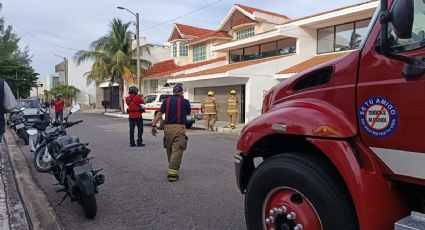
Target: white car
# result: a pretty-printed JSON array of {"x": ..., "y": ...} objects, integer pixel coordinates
[{"x": 154, "y": 101}]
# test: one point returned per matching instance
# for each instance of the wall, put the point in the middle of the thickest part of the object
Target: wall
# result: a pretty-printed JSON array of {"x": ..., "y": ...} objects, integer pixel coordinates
[{"x": 76, "y": 78}]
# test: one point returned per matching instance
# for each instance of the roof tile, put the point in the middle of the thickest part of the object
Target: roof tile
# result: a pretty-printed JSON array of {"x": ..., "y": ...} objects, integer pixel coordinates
[
  {"x": 213, "y": 34},
  {"x": 168, "y": 71},
  {"x": 192, "y": 30},
  {"x": 317, "y": 60},
  {"x": 229, "y": 67}
]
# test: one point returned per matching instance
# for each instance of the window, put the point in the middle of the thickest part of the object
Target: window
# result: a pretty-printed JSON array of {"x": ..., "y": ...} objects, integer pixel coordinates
[
  {"x": 236, "y": 55},
  {"x": 342, "y": 37},
  {"x": 268, "y": 49},
  {"x": 149, "y": 98},
  {"x": 153, "y": 85},
  {"x": 286, "y": 46},
  {"x": 145, "y": 86},
  {"x": 183, "y": 49},
  {"x": 325, "y": 40},
  {"x": 361, "y": 31},
  {"x": 265, "y": 50},
  {"x": 199, "y": 52},
  {"x": 249, "y": 32},
  {"x": 251, "y": 53},
  {"x": 174, "y": 50},
  {"x": 418, "y": 32},
  {"x": 162, "y": 97}
]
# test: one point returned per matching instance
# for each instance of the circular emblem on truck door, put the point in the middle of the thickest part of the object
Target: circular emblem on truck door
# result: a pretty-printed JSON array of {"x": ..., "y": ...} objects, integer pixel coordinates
[{"x": 378, "y": 117}]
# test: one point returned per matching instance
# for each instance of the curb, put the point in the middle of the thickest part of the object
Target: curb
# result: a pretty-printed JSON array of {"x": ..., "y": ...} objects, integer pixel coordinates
[
  {"x": 116, "y": 115},
  {"x": 40, "y": 212}
]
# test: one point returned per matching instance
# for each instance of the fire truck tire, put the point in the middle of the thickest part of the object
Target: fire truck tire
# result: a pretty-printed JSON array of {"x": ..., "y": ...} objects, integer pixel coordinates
[{"x": 308, "y": 186}]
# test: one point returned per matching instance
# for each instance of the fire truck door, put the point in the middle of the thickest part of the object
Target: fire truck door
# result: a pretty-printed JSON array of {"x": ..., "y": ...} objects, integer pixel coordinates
[{"x": 391, "y": 108}]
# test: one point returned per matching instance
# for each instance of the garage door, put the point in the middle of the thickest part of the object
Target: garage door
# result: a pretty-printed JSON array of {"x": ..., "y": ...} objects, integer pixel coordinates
[{"x": 221, "y": 94}]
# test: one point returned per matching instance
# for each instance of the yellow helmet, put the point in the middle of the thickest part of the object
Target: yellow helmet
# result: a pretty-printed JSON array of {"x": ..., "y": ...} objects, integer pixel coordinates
[
  {"x": 210, "y": 93},
  {"x": 232, "y": 91}
]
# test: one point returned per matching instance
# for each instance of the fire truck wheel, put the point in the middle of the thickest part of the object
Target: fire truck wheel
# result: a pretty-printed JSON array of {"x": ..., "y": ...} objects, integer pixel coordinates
[{"x": 298, "y": 191}]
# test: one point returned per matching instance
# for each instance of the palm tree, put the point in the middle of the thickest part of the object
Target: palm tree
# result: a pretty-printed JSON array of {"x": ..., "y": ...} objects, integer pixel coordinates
[{"x": 113, "y": 57}]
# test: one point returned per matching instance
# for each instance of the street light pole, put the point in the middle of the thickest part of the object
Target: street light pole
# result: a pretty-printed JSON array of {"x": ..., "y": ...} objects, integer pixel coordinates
[
  {"x": 137, "y": 43},
  {"x": 138, "y": 50}
]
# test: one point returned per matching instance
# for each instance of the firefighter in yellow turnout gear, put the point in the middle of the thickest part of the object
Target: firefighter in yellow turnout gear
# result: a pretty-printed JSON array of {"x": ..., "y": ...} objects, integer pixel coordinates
[
  {"x": 210, "y": 108},
  {"x": 232, "y": 108}
]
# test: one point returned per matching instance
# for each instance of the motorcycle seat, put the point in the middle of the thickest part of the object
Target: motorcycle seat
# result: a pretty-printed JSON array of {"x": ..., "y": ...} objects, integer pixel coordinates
[{"x": 68, "y": 142}]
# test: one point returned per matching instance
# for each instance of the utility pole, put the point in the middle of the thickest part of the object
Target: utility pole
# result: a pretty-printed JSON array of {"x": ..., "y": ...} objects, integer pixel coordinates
[
  {"x": 17, "y": 85},
  {"x": 138, "y": 51}
]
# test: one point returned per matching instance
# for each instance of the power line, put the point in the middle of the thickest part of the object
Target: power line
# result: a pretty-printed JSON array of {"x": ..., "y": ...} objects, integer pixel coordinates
[
  {"x": 181, "y": 16},
  {"x": 37, "y": 37}
]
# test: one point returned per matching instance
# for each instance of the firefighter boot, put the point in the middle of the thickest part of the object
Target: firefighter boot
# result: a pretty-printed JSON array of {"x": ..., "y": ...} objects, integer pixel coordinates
[{"x": 173, "y": 175}]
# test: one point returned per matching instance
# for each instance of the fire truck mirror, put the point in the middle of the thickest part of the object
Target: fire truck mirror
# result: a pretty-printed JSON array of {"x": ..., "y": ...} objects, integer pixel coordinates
[{"x": 402, "y": 15}]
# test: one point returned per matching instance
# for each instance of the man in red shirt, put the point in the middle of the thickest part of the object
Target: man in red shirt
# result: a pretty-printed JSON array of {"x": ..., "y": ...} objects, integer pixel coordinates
[
  {"x": 134, "y": 102},
  {"x": 59, "y": 103}
]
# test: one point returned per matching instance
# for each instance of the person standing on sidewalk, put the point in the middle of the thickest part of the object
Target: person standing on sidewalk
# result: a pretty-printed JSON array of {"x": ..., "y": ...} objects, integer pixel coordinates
[
  {"x": 232, "y": 108},
  {"x": 134, "y": 103},
  {"x": 8, "y": 103},
  {"x": 59, "y": 103},
  {"x": 175, "y": 108},
  {"x": 210, "y": 108}
]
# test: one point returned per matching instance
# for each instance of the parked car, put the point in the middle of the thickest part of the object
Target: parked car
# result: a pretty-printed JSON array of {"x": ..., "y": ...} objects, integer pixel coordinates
[
  {"x": 32, "y": 110},
  {"x": 153, "y": 103}
]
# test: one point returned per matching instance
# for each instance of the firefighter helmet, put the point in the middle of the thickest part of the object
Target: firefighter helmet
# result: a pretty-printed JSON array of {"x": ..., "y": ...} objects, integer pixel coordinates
[
  {"x": 233, "y": 91},
  {"x": 210, "y": 93},
  {"x": 133, "y": 89}
]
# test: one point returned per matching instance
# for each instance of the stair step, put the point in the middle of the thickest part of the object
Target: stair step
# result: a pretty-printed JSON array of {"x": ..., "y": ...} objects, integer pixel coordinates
[{"x": 416, "y": 221}]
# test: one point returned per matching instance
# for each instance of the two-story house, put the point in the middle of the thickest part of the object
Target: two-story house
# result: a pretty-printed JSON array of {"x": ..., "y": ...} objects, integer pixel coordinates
[{"x": 266, "y": 48}]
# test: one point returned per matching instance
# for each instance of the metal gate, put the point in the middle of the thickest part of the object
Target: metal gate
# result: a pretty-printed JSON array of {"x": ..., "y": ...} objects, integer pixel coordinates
[
  {"x": 114, "y": 97},
  {"x": 221, "y": 94}
]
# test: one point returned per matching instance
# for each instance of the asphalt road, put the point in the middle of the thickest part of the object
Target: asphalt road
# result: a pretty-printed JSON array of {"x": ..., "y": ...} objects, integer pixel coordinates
[{"x": 137, "y": 195}]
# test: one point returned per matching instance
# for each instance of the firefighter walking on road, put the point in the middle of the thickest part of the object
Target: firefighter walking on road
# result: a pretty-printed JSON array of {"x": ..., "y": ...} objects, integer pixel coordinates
[
  {"x": 175, "y": 108},
  {"x": 210, "y": 108},
  {"x": 232, "y": 108}
]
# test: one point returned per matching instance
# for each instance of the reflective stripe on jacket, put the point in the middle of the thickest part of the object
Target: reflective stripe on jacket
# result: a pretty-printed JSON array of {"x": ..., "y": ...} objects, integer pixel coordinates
[{"x": 232, "y": 104}]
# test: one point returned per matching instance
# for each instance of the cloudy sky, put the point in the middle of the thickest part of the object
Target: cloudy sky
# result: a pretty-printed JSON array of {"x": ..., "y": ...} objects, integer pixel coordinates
[{"x": 51, "y": 27}]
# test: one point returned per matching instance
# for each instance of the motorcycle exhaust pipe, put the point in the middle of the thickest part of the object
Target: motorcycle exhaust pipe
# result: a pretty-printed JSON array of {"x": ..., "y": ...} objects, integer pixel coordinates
[{"x": 99, "y": 179}]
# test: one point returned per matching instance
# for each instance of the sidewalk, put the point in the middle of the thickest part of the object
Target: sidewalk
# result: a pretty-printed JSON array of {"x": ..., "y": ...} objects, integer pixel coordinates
[
  {"x": 27, "y": 206},
  {"x": 12, "y": 212}
]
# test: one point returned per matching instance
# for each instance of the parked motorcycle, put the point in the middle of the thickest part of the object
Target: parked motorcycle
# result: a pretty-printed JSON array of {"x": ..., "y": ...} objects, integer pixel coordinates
[
  {"x": 39, "y": 140},
  {"x": 17, "y": 123},
  {"x": 71, "y": 167}
]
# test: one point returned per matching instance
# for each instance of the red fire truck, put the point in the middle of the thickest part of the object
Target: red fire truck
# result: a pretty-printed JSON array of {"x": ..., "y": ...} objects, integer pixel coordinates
[{"x": 342, "y": 145}]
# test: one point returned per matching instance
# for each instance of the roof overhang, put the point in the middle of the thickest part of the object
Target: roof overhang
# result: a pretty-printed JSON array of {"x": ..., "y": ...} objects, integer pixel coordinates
[
  {"x": 107, "y": 84},
  {"x": 246, "y": 42},
  {"x": 341, "y": 16},
  {"x": 284, "y": 76},
  {"x": 206, "y": 77},
  {"x": 207, "y": 39}
]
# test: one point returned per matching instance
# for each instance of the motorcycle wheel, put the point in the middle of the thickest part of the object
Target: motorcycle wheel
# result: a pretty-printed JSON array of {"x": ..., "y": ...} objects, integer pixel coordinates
[
  {"x": 24, "y": 136},
  {"x": 39, "y": 163},
  {"x": 88, "y": 203}
]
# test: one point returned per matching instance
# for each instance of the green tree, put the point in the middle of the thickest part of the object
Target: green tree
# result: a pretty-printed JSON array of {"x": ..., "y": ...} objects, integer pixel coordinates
[
  {"x": 113, "y": 57},
  {"x": 15, "y": 64},
  {"x": 68, "y": 92}
]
